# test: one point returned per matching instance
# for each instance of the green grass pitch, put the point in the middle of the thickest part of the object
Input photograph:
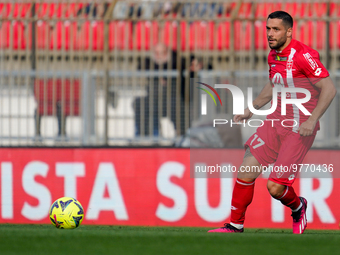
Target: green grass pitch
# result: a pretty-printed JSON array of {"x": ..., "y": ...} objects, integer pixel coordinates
[{"x": 47, "y": 240}]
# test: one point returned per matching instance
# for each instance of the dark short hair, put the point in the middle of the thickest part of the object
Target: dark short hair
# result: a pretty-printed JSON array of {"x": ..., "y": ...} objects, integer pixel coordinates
[{"x": 286, "y": 18}]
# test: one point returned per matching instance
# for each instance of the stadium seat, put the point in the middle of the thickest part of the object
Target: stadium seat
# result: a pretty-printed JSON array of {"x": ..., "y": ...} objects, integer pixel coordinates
[
  {"x": 167, "y": 34},
  {"x": 144, "y": 30},
  {"x": 42, "y": 33},
  {"x": 202, "y": 35},
  {"x": 303, "y": 33},
  {"x": 170, "y": 32},
  {"x": 2, "y": 11},
  {"x": 242, "y": 35},
  {"x": 19, "y": 35},
  {"x": 260, "y": 35},
  {"x": 16, "y": 10},
  {"x": 82, "y": 36},
  {"x": 313, "y": 34},
  {"x": 125, "y": 35},
  {"x": 334, "y": 39},
  {"x": 120, "y": 35},
  {"x": 4, "y": 34},
  {"x": 334, "y": 32},
  {"x": 310, "y": 33},
  {"x": 59, "y": 35},
  {"x": 13, "y": 35},
  {"x": 44, "y": 10},
  {"x": 183, "y": 31},
  {"x": 97, "y": 35},
  {"x": 49, "y": 93},
  {"x": 292, "y": 9},
  {"x": 58, "y": 10},
  {"x": 223, "y": 35},
  {"x": 261, "y": 12},
  {"x": 271, "y": 7},
  {"x": 68, "y": 36}
]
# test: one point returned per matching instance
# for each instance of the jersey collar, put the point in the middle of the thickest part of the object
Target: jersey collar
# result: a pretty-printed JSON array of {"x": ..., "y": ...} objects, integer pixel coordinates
[{"x": 283, "y": 55}]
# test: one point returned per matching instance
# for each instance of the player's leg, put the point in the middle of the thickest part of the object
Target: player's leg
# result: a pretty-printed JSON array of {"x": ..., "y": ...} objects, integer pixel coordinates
[
  {"x": 259, "y": 152},
  {"x": 292, "y": 152},
  {"x": 285, "y": 194},
  {"x": 243, "y": 193}
]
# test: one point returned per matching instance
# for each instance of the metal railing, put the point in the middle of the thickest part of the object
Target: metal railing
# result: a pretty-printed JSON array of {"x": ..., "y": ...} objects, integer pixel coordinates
[{"x": 86, "y": 73}]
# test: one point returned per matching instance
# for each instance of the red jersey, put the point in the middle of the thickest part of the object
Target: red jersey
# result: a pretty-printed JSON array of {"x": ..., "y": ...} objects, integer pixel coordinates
[{"x": 297, "y": 66}]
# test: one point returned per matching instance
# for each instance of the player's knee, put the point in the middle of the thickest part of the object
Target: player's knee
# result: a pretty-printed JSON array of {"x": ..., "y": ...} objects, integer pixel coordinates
[
  {"x": 247, "y": 176},
  {"x": 247, "y": 179},
  {"x": 276, "y": 190}
]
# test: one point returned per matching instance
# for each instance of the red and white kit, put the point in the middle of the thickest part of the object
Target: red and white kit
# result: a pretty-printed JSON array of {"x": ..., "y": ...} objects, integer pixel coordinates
[{"x": 297, "y": 66}]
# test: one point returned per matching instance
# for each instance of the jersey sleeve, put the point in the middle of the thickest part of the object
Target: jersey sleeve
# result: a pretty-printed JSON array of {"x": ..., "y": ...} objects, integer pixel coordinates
[{"x": 311, "y": 66}]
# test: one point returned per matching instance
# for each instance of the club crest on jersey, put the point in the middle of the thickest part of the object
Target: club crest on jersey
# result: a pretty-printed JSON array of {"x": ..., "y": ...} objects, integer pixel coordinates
[
  {"x": 280, "y": 173},
  {"x": 289, "y": 65}
]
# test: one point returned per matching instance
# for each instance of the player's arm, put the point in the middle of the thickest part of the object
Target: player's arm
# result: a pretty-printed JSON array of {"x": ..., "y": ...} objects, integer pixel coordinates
[
  {"x": 262, "y": 99},
  {"x": 328, "y": 92}
]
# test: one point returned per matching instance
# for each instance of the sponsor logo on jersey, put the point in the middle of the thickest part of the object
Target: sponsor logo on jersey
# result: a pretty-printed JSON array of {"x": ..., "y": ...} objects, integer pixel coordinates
[
  {"x": 318, "y": 71},
  {"x": 291, "y": 177},
  {"x": 273, "y": 65},
  {"x": 311, "y": 61},
  {"x": 278, "y": 58}
]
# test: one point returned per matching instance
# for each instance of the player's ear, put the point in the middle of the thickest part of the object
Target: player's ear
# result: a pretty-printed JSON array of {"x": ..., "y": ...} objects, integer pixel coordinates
[{"x": 289, "y": 32}]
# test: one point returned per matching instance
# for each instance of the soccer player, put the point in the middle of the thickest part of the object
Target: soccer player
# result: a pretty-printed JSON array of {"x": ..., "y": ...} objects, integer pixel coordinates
[{"x": 291, "y": 65}]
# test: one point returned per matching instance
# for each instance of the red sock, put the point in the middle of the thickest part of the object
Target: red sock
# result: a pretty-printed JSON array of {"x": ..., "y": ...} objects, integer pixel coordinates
[
  {"x": 242, "y": 197},
  {"x": 289, "y": 198}
]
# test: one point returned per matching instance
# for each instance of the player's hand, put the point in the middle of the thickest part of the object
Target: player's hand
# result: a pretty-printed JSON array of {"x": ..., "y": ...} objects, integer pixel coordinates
[
  {"x": 307, "y": 128},
  {"x": 247, "y": 115}
]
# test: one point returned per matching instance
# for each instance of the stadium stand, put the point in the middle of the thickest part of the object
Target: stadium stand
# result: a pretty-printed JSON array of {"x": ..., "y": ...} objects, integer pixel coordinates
[
  {"x": 69, "y": 34},
  {"x": 42, "y": 36}
]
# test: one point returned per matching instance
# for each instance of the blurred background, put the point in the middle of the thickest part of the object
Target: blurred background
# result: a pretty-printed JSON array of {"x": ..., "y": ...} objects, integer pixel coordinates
[{"x": 118, "y": 73}]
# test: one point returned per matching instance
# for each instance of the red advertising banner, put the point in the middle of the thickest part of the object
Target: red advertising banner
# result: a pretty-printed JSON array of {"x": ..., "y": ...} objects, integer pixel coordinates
[{"x": 150, "y": 187}]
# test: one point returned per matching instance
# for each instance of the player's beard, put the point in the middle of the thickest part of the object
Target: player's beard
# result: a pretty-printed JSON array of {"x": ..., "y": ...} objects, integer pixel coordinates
[{"x": 279, "y": 44}]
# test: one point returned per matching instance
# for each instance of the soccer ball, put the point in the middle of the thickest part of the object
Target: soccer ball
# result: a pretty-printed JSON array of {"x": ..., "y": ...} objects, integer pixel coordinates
[{"x": 66, "y": 212}]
